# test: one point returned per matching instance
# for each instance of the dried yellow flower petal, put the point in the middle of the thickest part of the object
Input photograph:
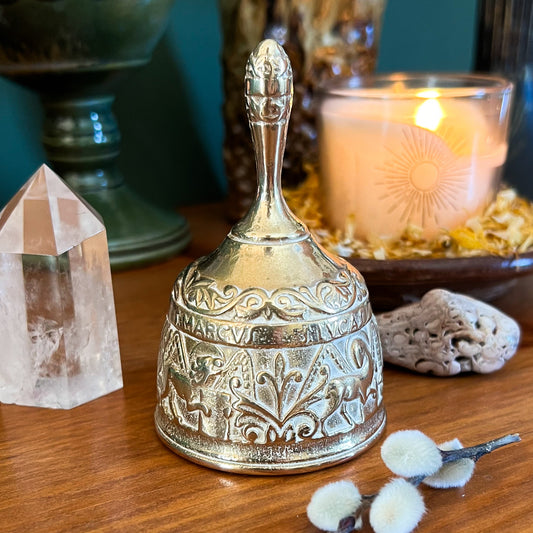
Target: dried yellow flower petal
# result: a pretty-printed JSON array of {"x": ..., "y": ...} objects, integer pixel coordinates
[
  {"x": 466, "y": 238},
  {"x": 505, "y": 229}
]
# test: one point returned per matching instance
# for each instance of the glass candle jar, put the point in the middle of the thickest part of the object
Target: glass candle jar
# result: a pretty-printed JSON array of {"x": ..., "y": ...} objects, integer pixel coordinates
[{"x": 423, "y": 149}]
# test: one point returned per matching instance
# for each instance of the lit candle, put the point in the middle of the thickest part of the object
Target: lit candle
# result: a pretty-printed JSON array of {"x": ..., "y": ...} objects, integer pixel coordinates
[{"x": 393, "y": 156}]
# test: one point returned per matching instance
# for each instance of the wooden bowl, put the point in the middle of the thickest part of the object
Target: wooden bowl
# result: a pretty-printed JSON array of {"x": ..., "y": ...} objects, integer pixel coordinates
[{"x": 396, "y": 282}]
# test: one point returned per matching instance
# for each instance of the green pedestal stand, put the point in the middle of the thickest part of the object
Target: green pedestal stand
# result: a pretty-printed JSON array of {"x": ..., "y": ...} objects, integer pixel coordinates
[
  {"x": 72, "y": 52},
  {"x": 81, "y": 139}
]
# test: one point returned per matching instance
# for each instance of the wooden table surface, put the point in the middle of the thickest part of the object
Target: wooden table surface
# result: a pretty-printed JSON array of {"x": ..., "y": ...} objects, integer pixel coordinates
[{"x": 101, "y": 467}]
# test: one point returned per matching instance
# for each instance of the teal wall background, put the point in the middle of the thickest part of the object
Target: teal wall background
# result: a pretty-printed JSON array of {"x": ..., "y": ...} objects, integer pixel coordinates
[{"x": 170, "y": 111}]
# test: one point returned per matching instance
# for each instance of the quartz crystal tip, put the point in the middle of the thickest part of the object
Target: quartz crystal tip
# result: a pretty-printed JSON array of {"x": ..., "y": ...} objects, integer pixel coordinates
[{"x": 46, "y": 217}]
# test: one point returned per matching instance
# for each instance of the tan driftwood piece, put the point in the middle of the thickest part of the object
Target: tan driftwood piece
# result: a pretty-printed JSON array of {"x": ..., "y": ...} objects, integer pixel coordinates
[{"x": 447, "y": 333}]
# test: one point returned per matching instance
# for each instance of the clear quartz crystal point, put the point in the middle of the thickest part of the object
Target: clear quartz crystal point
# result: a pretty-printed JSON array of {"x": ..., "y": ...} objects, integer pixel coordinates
[{"x": 57, "y": 315}]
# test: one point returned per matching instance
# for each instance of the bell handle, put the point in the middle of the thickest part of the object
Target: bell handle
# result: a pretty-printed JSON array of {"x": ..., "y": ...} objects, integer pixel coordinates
[{"x": 268, "y": 94}]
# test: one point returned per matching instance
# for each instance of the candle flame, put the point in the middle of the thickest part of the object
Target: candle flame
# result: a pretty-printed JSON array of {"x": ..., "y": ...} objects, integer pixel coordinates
[
  {"x": 429, "y": 93},
  {"x": 429, "y": 114}
]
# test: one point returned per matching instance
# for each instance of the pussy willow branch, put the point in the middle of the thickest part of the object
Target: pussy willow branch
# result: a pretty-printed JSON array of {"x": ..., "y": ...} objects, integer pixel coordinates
[
  {"x": 471, "y": 452},
  {"x": 347, "y": 525},
  {"x": 478, "y": 451}
]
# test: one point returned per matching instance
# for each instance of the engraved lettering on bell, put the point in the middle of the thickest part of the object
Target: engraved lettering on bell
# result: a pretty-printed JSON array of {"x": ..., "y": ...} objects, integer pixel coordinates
[{"x": 270, "y": 359}]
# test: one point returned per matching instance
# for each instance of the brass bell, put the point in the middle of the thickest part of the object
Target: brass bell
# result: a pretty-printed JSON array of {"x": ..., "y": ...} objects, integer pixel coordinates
[{"x": 270, "y": 360}]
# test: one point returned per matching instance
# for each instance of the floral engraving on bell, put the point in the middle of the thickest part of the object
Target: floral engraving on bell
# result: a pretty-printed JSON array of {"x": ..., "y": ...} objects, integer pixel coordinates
[
  {"x": 268, "y": 111},
  {"x": 239, "y": 395},
  {"x": 265, "y": 62},
  {"x": 268, "y": 82}
]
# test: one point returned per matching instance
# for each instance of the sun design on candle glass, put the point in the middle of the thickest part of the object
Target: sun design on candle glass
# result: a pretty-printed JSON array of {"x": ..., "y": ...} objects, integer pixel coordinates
[{"x": 423, "y": 176}]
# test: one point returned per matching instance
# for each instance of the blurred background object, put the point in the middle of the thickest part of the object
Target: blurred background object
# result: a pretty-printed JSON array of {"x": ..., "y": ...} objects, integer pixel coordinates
[
  {"x": 170, "y": 111},
  {"x": 505, "y": 46},
  {"x": 71, "y": 53},
  {"x": 324, "y": 40}
]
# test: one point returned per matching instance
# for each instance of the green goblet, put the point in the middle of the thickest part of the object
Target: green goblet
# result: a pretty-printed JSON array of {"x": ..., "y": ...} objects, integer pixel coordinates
[{"x": 72, "y": 53}]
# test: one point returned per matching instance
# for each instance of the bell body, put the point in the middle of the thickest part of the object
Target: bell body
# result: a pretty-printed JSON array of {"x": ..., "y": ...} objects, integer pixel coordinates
[
  {"x": 270, "y": 360},
  {"x": 258, "y": 378}
]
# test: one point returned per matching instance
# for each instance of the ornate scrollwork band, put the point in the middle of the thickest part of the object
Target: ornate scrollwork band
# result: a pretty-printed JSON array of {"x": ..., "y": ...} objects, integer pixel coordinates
[{"x": 325, "y": 298}]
